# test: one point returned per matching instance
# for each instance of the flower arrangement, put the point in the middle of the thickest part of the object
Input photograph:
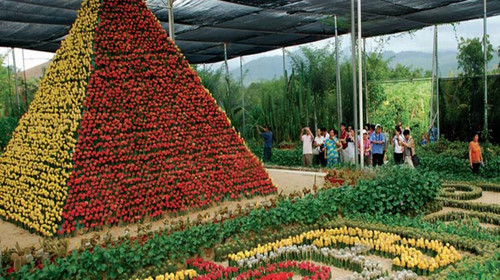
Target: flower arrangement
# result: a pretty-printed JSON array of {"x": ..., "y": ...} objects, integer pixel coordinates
[
  {"x": 406, "y": 251},
  {"x": 121, "y": 130}
]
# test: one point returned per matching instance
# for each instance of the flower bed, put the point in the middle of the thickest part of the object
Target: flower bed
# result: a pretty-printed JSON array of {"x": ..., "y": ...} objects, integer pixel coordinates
[{"x": 406, "y": 251}]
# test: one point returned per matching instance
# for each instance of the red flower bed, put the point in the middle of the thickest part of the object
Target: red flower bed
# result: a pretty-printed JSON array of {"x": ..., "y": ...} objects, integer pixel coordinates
[
  {"x": 276, "y": 271},
  {"x": 152, "y": 139}
]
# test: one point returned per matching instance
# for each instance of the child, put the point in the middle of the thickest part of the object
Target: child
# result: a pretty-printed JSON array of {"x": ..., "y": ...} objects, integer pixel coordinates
[{"x": 424, "y": 141}]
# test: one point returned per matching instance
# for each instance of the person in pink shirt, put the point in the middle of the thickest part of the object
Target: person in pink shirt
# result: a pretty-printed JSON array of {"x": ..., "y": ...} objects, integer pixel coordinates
[{"x": 366, "y": 148}]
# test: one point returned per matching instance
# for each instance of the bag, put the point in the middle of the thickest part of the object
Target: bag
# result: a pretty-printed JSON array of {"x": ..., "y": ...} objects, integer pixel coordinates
[
  {"x": 315, "y": 152},
  {"x": 415, "y": 160}
]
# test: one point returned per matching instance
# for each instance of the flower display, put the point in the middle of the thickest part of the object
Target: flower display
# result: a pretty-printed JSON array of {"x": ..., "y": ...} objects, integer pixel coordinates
[
  {"x": 37, "y": 162},
  {"x": 121, "y": 129},
  {"x": 406, "y": 251},
  {"x": 187, "y": 274}
]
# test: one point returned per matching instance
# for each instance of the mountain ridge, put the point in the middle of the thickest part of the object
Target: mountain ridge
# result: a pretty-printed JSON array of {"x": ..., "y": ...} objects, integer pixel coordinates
[{"x": 271, "y": 67}]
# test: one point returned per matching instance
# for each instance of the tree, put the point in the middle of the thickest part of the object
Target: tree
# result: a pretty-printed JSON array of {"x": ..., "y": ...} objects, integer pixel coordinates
[
  {"x": 499, "y": 56},
  {"x": 471, "y": 56}
]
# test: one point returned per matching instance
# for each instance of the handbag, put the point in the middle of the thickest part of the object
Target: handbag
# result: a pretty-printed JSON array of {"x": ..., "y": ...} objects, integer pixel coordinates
[
  {"x": 415, "y": 160},
  {"x": 315, "y": 152}
]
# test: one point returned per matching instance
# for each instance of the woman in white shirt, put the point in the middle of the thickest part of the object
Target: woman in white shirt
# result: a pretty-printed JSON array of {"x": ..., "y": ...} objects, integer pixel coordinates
[
  {"x": 351, "y": 150},
  {"x": 319, "y": 142},
  {"x": 398, "y": 150}
]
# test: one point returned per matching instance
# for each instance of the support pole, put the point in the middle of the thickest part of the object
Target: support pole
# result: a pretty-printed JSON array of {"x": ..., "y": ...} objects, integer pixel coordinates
[
  {"x": 485, "y": 43},
  {"x": 227, "y": 68},
  {"x": 437, "y": 87},
  {"x": 25, "y": 83},
  {"x": 284, "y": 64},
  {"x": 337, "y": 67},
  {"x": 242, "y": 96},
  {"x": 366, "y": 80},
  {"x": 354, "y": 85},
  {"x": 171, "y": 27},
  {"x": 434, "y": 51},
  {"x": 15, "y": 81},
  {"x": 9, "y": 113},
  {"x": 360, "y": 76}
]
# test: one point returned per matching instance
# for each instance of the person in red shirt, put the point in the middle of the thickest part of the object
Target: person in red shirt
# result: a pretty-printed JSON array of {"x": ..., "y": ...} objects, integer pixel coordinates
[
  {"x": 343, "y": 141},
  {"x": 475, "y": 155}
]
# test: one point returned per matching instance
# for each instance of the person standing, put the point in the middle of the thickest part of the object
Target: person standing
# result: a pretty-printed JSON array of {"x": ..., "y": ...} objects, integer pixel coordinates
[
  {"x": 433, "y": 131},
  {"x": 400, "y": 125},
  {"x": 398, "y": 150},
  {"x": 424, "y": 141},
  {"x": 333, "y": 146},
  {"x": 475, "y": 155},
  {"x": 267, "y": 135},
  {"x": 343, "y": 140},
  {"x": 307, "y": 139},
  {"x": 319, "y": 147},
  {"x": 351, "y": 149},
  {"x": 386, "y": 143},
  {"x": 409, "y": 148},
  {"x": 377, "y": 140},
  {"x": 366, "y": 148}
]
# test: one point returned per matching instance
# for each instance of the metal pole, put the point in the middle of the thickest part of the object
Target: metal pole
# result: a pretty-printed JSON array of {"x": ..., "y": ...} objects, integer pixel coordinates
[
  {"x": 227, "y": 68},
  {"x": 15, "y": 81},
  {"x": 10, "y": 89},
  {"x": 434, "y": 50},
  {"x": 242, "y": 96},
  {"x": 171, "y": 27},
  {"x": 354, "y": 93},
  {"x": 437, "y": 86},
  {"x": 485, "y": 43},
  {"x": 366, "y": 80},
  {"x": 25, "y": 84},
  {"x": 284, "y": 71},
  {"x": 360, "y": 76},
  {"x": 337, "y": 67},
  {"x": 284, "y": 65}
]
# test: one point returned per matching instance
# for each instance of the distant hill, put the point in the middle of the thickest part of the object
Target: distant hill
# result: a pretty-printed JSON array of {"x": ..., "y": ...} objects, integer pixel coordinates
[
  {"x": 37, "y": 71},
  {"x": 270, "y": 67}
]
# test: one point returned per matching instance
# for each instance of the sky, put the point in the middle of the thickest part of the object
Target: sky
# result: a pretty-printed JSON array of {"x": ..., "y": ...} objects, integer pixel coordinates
[{"x": 420, "y": 40}]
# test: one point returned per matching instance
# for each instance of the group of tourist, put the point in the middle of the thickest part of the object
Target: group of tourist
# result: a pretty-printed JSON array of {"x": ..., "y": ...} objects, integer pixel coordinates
[{"x": 328, "y": 149}]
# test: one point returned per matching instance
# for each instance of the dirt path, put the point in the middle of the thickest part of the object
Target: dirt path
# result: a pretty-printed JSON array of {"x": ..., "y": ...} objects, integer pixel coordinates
[
  {"x": 452, "y": 209},
  {"x": 287, "y": 182},
  {"x": 489, "y": 197}
]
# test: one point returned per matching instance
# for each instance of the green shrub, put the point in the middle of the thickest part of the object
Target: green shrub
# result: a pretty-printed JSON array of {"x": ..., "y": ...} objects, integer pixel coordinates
[
  {"x": 393, "y": 190},
  {"x": 285, "y": 157}
]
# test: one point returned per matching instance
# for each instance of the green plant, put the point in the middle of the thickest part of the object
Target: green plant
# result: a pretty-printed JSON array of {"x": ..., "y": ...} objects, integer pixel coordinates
[
  {"x": 393, "y": 190},
  {"x": 467, "y": 205},
  {"x": 468, "y": 191}
]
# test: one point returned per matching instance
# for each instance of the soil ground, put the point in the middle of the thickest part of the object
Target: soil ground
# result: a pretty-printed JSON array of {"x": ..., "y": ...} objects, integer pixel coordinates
[{"x": 287, "y": 182}]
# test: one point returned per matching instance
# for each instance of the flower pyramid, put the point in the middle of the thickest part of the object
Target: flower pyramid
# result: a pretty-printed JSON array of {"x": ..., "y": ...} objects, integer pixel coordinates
[{"x": 121, "y": 129}]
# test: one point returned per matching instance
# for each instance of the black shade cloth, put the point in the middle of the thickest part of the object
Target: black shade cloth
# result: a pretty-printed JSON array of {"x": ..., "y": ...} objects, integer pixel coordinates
[{"x": 249, "y": 27}]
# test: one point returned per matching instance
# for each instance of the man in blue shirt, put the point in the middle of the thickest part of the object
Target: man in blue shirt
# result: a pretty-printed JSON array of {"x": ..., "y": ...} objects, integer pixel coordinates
[
  {"x": 433, "y": 133},
  {"x": 267, "y": 135},
  {"x": 377, "y": 140}
]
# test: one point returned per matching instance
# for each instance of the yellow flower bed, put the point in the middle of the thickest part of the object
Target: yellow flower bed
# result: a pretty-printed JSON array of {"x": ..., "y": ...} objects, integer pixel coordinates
[
  {"x": 38, "y": 159},
  {"x": 179, "y": 275},
  {"x": 406, "y": 250}
]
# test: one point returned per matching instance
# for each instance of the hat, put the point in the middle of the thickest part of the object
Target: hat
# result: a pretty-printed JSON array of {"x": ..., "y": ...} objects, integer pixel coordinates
[
  {"x": 364, "y": 131},
  {"x": 378, "y": 125}
]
